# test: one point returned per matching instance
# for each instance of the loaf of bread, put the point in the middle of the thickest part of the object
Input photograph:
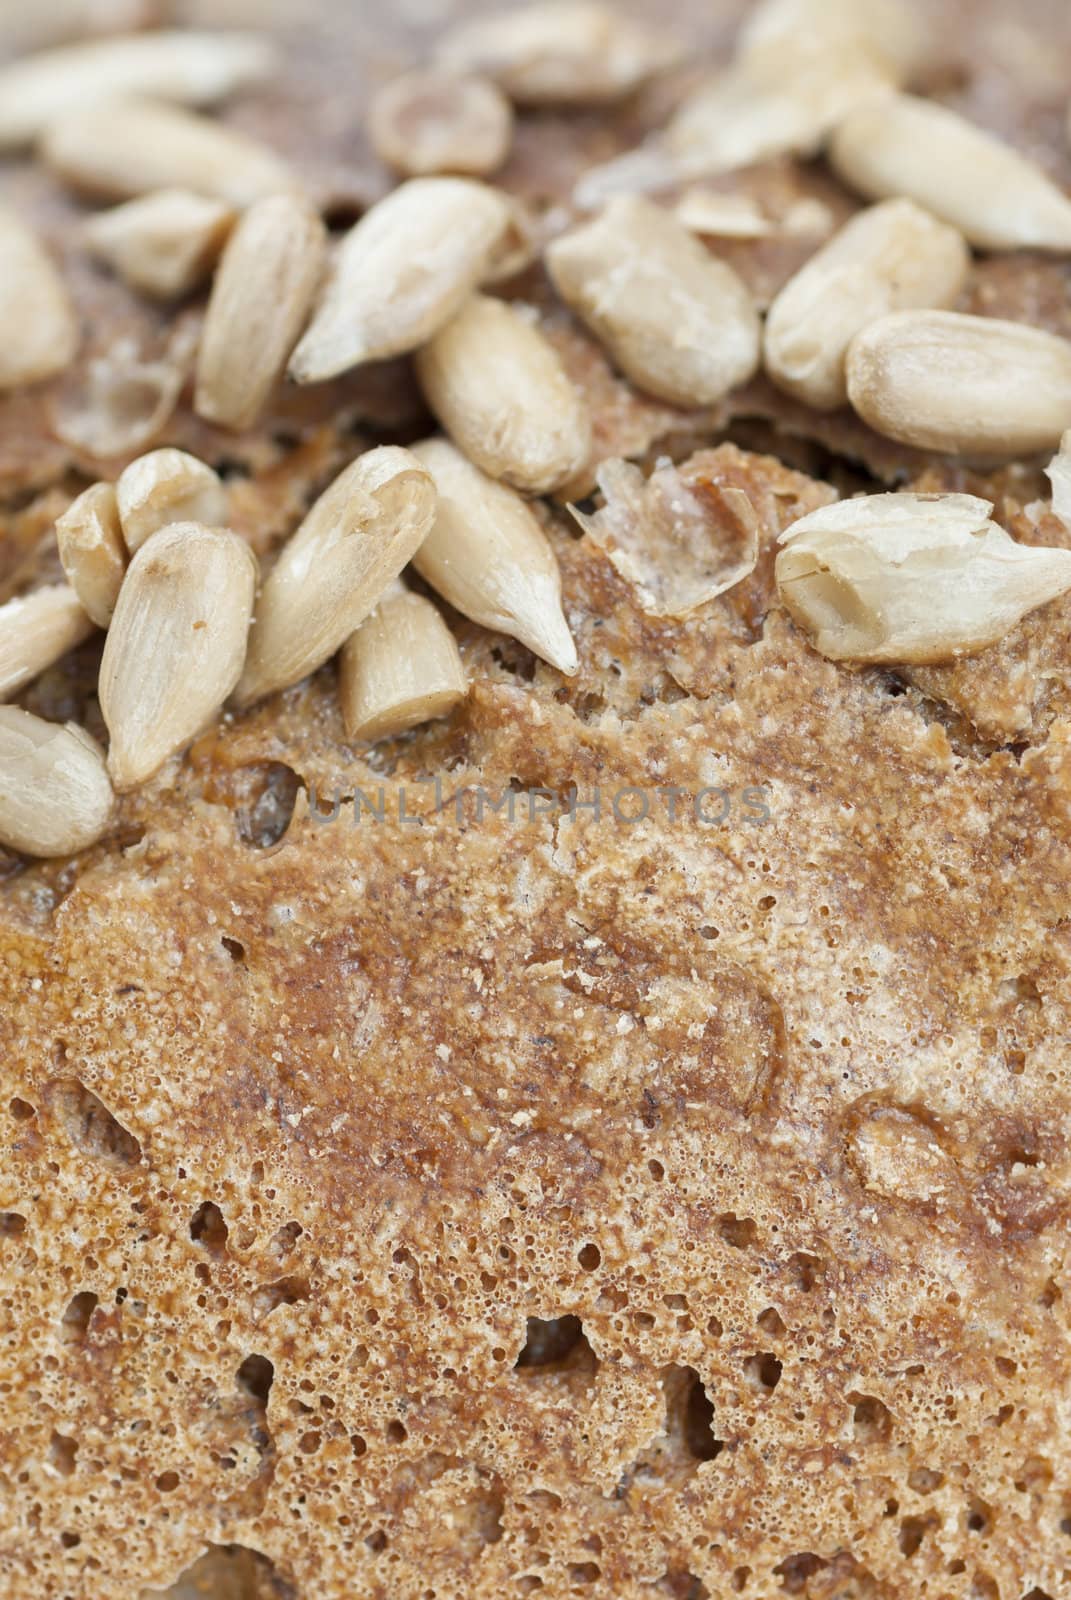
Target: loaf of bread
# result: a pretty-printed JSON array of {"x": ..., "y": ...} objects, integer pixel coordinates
[{"x": 609, "y": 1139}]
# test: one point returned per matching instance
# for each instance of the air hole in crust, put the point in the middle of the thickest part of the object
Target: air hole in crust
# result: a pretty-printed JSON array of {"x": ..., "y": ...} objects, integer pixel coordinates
[
  {"x": 913, "y": 1531},
  {"x": 74, "y": 1324},
  {"x": 763, "y": 1371},
  {"x": 558, "y": 1344},
  {"x": 208, "y": 1229},
  {"x": 796, "y": 1571},
  {"x": 805, "y": 1271},
  {"x": 770, "y": 1322},
  {"x": 62, "y": 1454},
  {"x": 256, "y": 1376},
  {"x": 584, "y": 1572},
  {"x": 690, "y": 1414},
  {"x": 283, "y": 1292},
  {"x": 234, "y": 1570},
  {"x": 267, "y": 794},
  {"x": 740, "y": 1232},
  {"x": 89, "y": 1125},
  {"x": 871, "y": 1419}
]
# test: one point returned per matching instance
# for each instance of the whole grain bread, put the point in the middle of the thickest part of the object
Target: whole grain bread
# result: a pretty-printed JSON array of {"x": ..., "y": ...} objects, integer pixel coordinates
[{"x": 476, "y": 1193}]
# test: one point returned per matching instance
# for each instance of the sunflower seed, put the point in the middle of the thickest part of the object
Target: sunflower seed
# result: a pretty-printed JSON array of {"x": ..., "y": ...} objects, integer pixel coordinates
[
  {"x": 431, "y": 122},
  {"x": 36, "y": 631},
  {"x": 783, "y": 95},
  {"x": 28, "y": 25},
  {"x": 940, "y": 380},
  {"x": 722, "y": 216},
  {"x": 497, "y": 386},
  {"x": 164, "y": 244},
  {"x": 124, "y": 399},
  {"x": 995, "y": 196},
  {"x": 55, "y": 796},
  {"x": 167, "y": 486},
  {"x": 1058, "y": 473},
  {"x": 676, "y": 320},
  {"x": 560, "y": 52},
  {"x": 893, "y": 33},
  {"x": 194, "y": 69},
  {"x": 264, "y": 289},
  {"x": 176, "y": 645},
  {"x": 488, "y": 556},
  {"x": 799, "y": 68},
  {"x": 781, "y": 100},
  {"x": 911, "y": 578},
  {"x": 650, "y": 168},
  {"x": 521, "y": 246},
  {"x": 890, "y": 258},
  {"x": 40, "y": 333},
  {"x": 92, "y": 551},
  {"x": 334, "y": 571},
  {"x": 401, "y": 273},
  {"x": 401, "y": 668},
  {"x": 130, "y": 147}
]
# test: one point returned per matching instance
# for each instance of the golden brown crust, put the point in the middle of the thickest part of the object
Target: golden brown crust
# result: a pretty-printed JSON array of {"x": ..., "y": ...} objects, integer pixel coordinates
[{"x": 311, "y": 1130}]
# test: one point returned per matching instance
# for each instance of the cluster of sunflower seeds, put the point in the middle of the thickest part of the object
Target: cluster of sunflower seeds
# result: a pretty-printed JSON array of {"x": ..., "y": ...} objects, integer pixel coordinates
[{"x": 869, "y": 321}]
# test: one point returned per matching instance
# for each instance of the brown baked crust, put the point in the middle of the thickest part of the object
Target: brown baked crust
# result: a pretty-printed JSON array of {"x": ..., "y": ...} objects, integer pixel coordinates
[{"x": 776, "y": 1110}]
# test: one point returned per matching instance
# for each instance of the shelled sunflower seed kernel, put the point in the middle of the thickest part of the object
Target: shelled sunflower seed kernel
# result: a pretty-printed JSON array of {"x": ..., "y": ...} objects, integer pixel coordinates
[
  {"x": 29, "y": 26},
  {"x": 1058, "y": 473},
  {"x": 336, "y": 568},
  {"x": 499, "y": 389},
  {"x": 119, "y": 149},
  {"x": 55, "y": 794},
  {"x": 488, "y": 556},
  {"x": 430, "y": 122},
  {"x": 892, "y": 32},
  {"x": 401, "y": 273},
  {"x": 191, "y": 68},
  {"x": 975, "y": 386},
  {"x": 997, "y": 198},
  {"x": 713, "y": 215},
  {"x": 909, "y": 578},
  {"x": 560, "y": 52},
  {"x": 176, "y": 645},
  {"x": 800, "y": 66},
  {"x": 123, "y": 398},
  {"x": 889, "y": 258},
  {"x": 163, "y": 245},
  {"x": 676, "y": 320},
  {"x": 40, "y": 332},
  {"x": 261, "y": 298},
  {"x": 782, "y": 100},
  {"x": 401, "y": 668},
  {"x": 165, "y": 486},
  {"x": 36, "y": 631},
  {"x": 92, "y": 551}
]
